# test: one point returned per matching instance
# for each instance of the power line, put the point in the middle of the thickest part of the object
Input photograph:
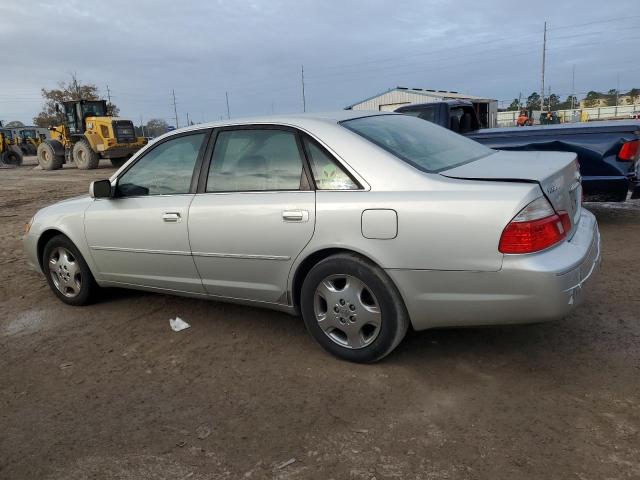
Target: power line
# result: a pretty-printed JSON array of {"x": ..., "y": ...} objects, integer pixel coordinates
[{"x": 466, "y": 46}]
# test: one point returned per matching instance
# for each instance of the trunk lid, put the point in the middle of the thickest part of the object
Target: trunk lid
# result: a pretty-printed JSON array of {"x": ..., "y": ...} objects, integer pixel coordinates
[{"x": 557, "y": 173}]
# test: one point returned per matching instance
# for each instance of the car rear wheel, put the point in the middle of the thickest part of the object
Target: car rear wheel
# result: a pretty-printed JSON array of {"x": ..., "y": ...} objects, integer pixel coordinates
[
  {"x": 67, "y": 272},
  {"x": 353, "y": 309}
]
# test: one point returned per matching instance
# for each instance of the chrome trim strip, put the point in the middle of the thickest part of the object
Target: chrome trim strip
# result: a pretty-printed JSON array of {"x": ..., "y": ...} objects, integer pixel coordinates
[
  {"x": 280, "y": 258},
  {"x": 242, "y": 256},
  {"x": 140, "y": 250}
]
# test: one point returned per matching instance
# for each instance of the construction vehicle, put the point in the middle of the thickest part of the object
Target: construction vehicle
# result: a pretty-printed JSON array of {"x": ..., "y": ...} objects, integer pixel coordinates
[
  {"x": 30, "y": 138},
  {"x": 10, "y": 153},
  {"x": 87, "y": 134}
]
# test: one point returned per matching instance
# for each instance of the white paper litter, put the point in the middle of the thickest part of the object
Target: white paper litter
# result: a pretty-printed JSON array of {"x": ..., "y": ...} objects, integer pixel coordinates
[
  {"x": 178, "y": 324},
  {"x": 286, "y": 464}
]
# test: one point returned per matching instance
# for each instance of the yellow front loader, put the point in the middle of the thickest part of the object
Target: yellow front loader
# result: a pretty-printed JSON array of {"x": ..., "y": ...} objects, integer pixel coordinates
[
  {"x": 10, "y": 153},
  {"x": 87, "y": 135}
]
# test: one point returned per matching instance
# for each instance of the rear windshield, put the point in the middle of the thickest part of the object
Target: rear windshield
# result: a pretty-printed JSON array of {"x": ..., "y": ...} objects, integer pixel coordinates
[{"x": 422, "y": 144}]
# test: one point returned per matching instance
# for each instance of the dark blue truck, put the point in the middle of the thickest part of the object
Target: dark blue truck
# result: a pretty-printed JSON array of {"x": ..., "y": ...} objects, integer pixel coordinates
[{"x": 608, "y": 152}]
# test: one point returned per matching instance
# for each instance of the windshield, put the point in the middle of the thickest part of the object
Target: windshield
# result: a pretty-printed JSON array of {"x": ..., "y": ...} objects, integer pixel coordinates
[
  {"x": 93, "y": 109},
  {"x": 424, "y": 145}
]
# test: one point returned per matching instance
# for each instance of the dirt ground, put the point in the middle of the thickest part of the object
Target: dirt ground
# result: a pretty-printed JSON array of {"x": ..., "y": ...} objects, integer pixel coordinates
[{"x": 110, "y": 391}]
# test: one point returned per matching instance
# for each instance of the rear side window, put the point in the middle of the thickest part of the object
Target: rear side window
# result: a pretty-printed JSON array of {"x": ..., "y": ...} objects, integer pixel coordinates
[
  {"x": 326, "y": 172},
  {"x": 424, "y": 145},
  {"x": 167, "y": 169},
  {"x": 255, "y": 160},
  {"x": 428, "y": 114}
]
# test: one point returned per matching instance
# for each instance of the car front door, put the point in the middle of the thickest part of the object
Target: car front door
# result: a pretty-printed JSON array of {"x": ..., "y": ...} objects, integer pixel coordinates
[
  {"x": 140, "y": 236},
  {"x": 253, "y": 214}
]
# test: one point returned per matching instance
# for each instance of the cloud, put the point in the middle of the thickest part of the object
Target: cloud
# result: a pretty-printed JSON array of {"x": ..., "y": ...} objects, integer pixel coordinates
[{"x": 350, "y": 50}]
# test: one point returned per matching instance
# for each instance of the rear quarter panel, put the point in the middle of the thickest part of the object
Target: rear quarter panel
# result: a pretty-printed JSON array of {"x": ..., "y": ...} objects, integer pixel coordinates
[{"x": 449, "y": 225}]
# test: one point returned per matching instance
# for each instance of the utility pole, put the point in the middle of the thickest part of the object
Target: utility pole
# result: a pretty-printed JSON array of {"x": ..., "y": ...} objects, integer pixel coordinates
[
  {"x": 175, "y": 109},
  {"x": 188, "y": 123},
  {"x": 544, "y": 55},
  {"x": 519, "y": 102},
  {"x": 573, "y": 88},
  {"x": 617, "y": 93},
  {"x": 108, "y": 94},
  {"x": 141, "y": 126},
  {"x": 226, "y": 94},
  {"x": 304, "y": 100}
]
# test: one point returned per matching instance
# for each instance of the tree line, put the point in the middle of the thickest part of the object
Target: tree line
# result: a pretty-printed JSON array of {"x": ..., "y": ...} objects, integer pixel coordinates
[
  {"x": 592, "y": 99},
  {"x": 76, "y": 90}
]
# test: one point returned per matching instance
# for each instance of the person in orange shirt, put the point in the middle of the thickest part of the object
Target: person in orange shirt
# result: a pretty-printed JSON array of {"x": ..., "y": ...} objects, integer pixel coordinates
[{"x": 523, "y": 119}]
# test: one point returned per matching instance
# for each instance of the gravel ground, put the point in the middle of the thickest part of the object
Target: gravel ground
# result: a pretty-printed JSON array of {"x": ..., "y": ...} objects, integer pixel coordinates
[{"x": 109, "y": 391}]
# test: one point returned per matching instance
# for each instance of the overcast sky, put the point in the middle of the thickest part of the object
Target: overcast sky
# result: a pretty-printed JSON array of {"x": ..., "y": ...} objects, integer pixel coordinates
[{"x": 350, "y": 50}]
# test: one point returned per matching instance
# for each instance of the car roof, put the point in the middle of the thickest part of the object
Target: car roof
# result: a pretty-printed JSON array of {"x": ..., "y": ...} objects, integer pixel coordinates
[{"x": 301, "y": 120}]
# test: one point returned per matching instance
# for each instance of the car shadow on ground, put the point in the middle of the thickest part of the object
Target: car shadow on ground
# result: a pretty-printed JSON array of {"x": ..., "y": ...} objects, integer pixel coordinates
[{"x": 482, "y": 341}]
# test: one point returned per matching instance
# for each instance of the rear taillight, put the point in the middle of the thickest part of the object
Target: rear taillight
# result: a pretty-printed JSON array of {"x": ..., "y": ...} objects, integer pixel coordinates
[
  {"x": 629, "y": 151},
  {"x": 535, "y": 228}
]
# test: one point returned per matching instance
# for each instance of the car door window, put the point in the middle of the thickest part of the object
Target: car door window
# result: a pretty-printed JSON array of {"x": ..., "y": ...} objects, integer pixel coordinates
[
  {"x": 255, "y": 160},
  {"x": 165, "y": 170},
  {"x": 326, "y": 172}
]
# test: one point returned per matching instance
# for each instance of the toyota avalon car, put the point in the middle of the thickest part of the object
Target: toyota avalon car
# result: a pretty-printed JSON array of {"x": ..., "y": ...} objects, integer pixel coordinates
[{"x": 365, "y": 223}]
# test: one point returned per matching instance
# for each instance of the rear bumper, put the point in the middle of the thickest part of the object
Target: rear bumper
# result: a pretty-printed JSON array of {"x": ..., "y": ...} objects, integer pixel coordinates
[
  {"x": 606, "y": 189},
  {"x": 529, "y": 288}
]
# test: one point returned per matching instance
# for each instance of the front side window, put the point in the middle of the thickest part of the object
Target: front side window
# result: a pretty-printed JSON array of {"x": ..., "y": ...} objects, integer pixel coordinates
[
  {"x": 165, "y": 170},
  {"x": 255, "y": 160},
  {"x": 424, "y": 145},
  {"x": 327, "y": 174}
]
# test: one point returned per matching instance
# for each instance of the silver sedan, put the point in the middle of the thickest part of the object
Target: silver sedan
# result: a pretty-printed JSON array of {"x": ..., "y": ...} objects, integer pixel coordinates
[{"x": 363, "y": 222}]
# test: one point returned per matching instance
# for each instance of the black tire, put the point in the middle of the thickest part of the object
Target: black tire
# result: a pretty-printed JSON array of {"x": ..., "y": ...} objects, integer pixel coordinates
[
  {"x": 394, "y": 320},
  {"x": 13, "y": 157},
  {"x": 47, "y": 158},
  {"x": 118, "y": 162},
  {"x": 84, "y": 156},
  {"x": 87, "y": 285}
]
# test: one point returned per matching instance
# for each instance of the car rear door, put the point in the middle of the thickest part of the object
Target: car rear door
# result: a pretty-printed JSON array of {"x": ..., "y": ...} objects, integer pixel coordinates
[
  {"x": 140, "y": 236},
  {"x": 253, "y": 214}
]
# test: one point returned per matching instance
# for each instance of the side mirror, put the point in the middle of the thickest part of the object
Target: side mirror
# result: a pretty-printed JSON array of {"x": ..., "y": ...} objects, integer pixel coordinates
[{"x": 100, "y": 189}]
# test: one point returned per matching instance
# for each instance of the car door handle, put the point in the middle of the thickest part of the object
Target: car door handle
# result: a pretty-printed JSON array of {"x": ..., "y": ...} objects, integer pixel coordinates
[
  {"x": 171, "y": 217},
  {"x": 295, "y": 216}
]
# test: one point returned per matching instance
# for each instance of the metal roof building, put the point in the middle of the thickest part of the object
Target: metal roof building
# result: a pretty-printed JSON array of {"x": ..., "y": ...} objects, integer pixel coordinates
[{"x": 487, "y": 108}]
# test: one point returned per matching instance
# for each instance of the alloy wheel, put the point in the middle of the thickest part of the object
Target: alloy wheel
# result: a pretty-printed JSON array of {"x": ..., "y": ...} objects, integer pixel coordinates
[
  {"x": 65, "y": 272},
  {"x": 347, "y": 311}
]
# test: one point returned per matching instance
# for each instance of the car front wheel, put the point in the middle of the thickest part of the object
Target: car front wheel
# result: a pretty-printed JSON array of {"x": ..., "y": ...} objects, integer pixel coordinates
[
  {"x": 353, "y": 309},
  {"x": 67, "y": 273}
]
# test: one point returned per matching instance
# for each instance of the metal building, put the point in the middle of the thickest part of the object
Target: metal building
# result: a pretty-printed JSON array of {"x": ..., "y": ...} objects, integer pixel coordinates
[{"x": 486, "y": 108}]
